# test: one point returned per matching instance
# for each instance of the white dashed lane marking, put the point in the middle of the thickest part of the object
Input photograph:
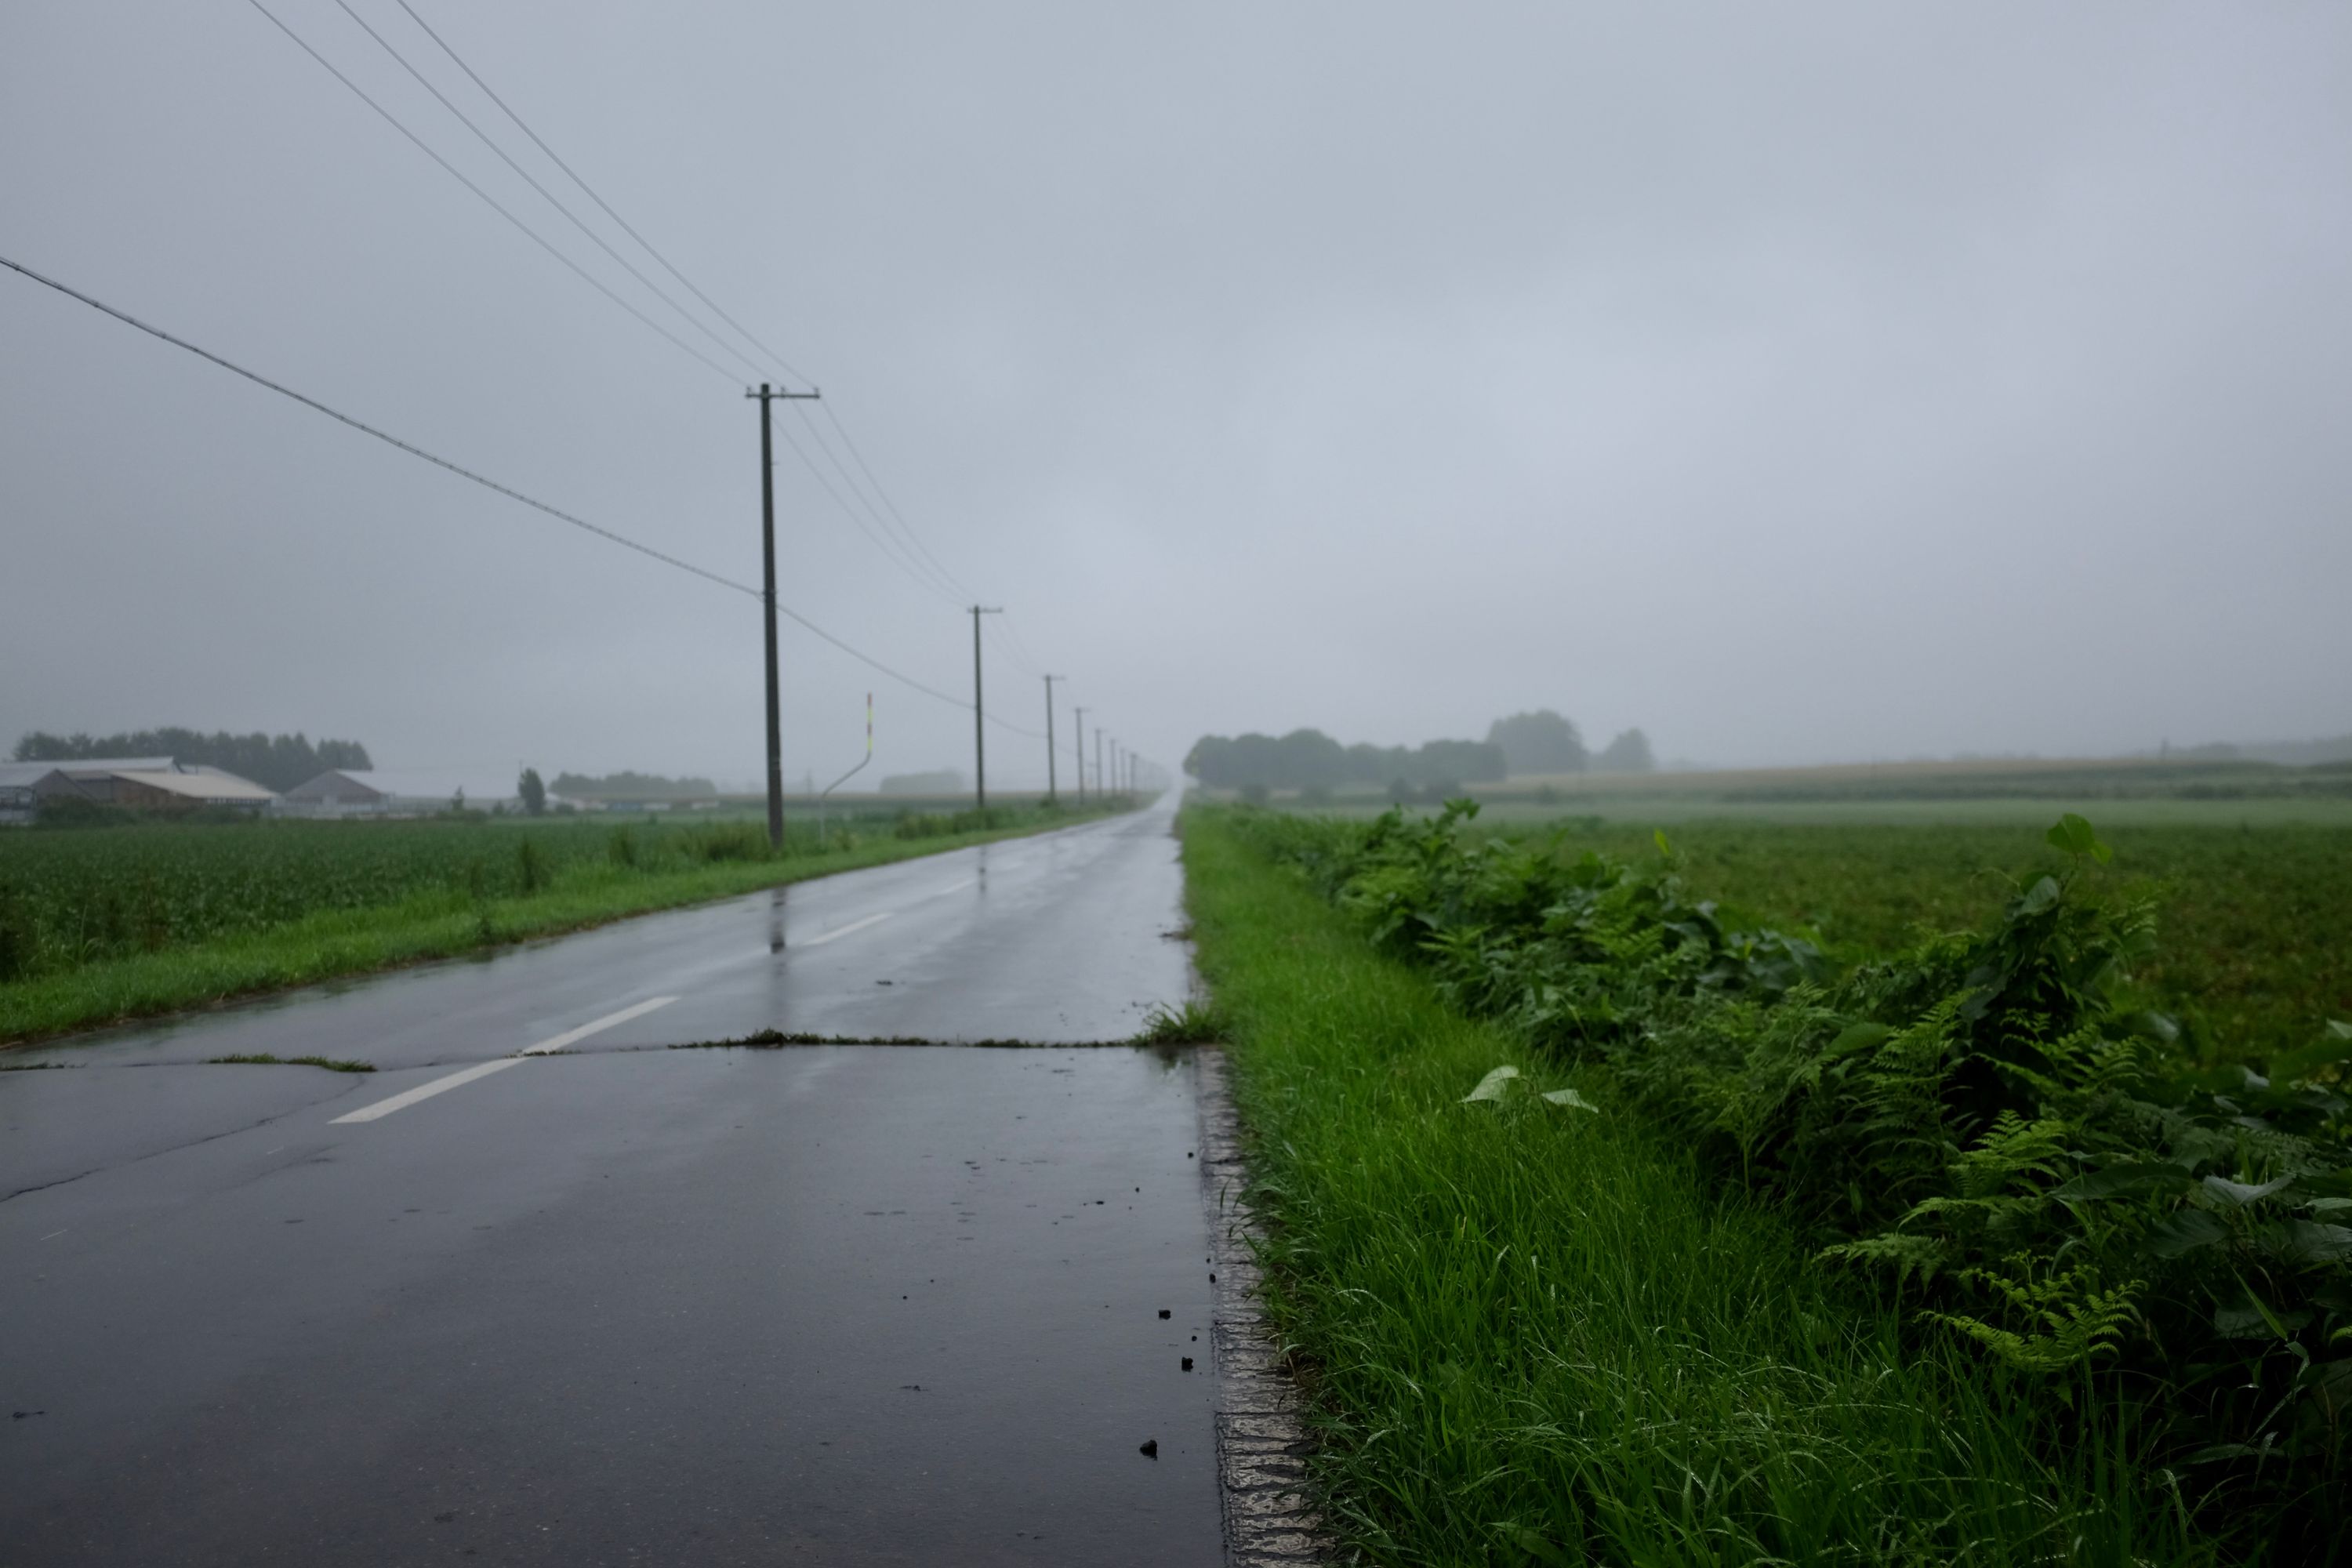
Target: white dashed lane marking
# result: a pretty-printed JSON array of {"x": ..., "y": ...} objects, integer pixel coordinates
[
  {"x": 423, "y": 1091},
  {"x": 428, "y": 1091},
  {"x": 837, "y": 932},
  {"x": 572, "y": 1037}
]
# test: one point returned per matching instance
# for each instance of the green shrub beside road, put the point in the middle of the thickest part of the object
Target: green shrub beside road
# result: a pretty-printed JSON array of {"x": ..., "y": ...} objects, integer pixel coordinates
[
  {"x": 1992, "y": 1131},
  {"x": 1539, "y": 1334}
]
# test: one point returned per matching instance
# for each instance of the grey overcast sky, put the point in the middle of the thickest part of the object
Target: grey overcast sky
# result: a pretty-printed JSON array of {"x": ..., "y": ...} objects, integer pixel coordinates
[{"x": 1798, "y": 381}]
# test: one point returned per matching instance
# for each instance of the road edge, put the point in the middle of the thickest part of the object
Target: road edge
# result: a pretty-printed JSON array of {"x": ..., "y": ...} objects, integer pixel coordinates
[
  {"x": 1270, "y": 1511},
  {"x": 268, "y": 991}
]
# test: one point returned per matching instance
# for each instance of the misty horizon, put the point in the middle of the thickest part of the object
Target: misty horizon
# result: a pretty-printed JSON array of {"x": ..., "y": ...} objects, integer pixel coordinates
[{"x": 1826, "y": 386}]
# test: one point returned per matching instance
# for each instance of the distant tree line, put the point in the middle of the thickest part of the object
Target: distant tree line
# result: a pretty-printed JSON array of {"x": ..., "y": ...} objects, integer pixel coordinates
[
  {"x": 1523, "y": 746},
  {"x": 275, "y": 761},
  {"x": 627, "y": 785},
  {"x": 1309, "y": 759},
  {"x": 1543, "y": 742}
]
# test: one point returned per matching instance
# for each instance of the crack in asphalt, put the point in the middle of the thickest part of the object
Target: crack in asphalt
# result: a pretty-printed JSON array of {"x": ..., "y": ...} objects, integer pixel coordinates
[{"x": 159, "y": 1154}]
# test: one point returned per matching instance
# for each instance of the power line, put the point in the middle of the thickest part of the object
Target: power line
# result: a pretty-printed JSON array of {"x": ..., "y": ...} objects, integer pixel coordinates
[
  {"x": 846, "y": 511},
  {"x": 917, "y": 557},
  {"x": 487, "y": 483},
  {"x": 598, "y": 240},
  {"x": 910, "y": 556},
  {"x": 593, "y": 196},
  {"x": 1020, "y": 647},
  {"x": 902, "y": 554},
  {"x": 918, "y": 551},
  {"x": 391, "y": 119},
  {"x": 1011, "y": 650},
  {"x": 906, "y": 527},
  {"x": 891, "y": 548}
]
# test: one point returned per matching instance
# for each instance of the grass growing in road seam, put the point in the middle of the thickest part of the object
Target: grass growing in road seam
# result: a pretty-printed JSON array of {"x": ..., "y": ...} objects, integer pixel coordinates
[{"x": 1533, "y": 1333}]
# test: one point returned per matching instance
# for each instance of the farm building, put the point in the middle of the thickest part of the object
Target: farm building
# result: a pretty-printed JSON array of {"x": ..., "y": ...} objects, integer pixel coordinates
[
  {"x": 92, "y": 778},
  {"x": 401, "y": 792},
  {"x": 141, "y": 784},
  {"x": 183, "y": 789},
  {"x": 23, "y": 785}
]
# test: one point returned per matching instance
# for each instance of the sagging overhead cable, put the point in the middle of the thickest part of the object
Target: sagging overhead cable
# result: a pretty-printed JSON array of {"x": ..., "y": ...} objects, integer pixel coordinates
[
  {"x": 918, "y": 562},
  {"x": 623, "y": 540}
]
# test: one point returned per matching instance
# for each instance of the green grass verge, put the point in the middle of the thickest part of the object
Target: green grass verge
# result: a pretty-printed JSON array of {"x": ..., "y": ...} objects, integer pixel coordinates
[
  {"x": 333, "y": 943},
  {"x": 1534, "y": 1334}
]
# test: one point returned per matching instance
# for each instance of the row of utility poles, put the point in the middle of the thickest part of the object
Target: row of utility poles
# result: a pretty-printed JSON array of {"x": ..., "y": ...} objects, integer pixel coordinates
[{"x": 1124, "y": 764}]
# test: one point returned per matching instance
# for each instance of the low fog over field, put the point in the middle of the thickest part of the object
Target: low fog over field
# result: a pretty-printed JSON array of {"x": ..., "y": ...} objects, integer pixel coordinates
[{"x": 1793, "y": 383}]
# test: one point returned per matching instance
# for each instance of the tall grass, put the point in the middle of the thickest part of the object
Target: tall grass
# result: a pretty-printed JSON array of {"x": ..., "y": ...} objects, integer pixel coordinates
[{"x": 1535, "y": 1333}]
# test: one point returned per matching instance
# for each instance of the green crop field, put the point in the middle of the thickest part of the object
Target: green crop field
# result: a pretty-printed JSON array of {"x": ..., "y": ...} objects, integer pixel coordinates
[
  {"x": 117, "y": 922},
  {"x": 2250, "y": 864},
  {"x": 2253, "y": 926},
  {"x": 2147, "y": 792}
]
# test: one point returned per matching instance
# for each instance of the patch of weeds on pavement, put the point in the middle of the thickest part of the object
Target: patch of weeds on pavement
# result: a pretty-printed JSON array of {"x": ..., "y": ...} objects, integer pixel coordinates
[
  {"x": 1196, "y": 1022},
  {"x": 34, "y": 1067},
  {"x": 265, "y": 1060}
]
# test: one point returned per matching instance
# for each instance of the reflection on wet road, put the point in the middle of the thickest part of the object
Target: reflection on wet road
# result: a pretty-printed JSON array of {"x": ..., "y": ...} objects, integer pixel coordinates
[{"x": 604, "y": 1303}]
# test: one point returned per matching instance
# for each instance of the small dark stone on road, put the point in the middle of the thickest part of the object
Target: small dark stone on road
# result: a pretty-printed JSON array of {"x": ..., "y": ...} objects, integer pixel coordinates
[
  {"x": 444, "y": 1519},
  {"x": 1188, "y": 1363},
  {"x": 1151, "y": 1449},
  {"x": 1163, "y": 1311}
]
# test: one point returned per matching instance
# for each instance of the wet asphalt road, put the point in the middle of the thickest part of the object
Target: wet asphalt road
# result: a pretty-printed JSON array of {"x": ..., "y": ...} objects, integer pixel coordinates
[{"x": 624, "y": 1304}]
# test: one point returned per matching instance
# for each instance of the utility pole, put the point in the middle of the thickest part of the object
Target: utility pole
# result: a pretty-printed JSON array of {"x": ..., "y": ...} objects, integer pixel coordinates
[
  {"x": 1052, "y": 796},
  {"x": 979, "y": 740},
  {"x": 1099, "y": 772},
  {"x": 768, "y": 601},
  {"x": 1080, "y": 746}
]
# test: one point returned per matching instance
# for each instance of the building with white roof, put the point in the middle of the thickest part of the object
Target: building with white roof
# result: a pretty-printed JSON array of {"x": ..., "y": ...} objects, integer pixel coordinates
[
  {"x": 141, "y": 783},
  {"x": 402, "y": 792}
]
